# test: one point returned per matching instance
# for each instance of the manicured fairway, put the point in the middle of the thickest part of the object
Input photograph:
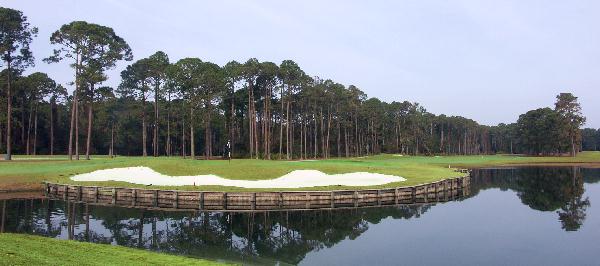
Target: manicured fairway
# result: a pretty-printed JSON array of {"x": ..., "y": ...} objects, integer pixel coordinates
[
  {"x": 29, "y": 172},
  {"x": 16, "y": 249}
]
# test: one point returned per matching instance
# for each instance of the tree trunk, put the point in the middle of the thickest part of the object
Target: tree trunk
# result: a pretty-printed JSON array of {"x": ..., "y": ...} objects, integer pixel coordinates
[
  {"x": 183, "y": 136},
  {"x": 27, "y": 145},
  {"x": 250, "y": 124},
  {"x": 8, "y": 155},
  {"x": 23, "y": 103},
  {"x": 301, "y": 137},
  {"x": 281, "y": 124},
  {"x": 77, "y": 127},
  {"x": 155, "y": 137},
  {"x": 327, "y": 136},
  {"x": 207, "y": 134},
  {"x": 323, "y": 151},
  {"x": 255, "y": 127},
  {"x": 192, "y": 139},
  {"x": 144, "y": 133},
  {"x": 168, "y": 142},
  {"x": 111, "y": 151},
  {"x": 88, "y": 142},
  {"x": 52, "y": 104},
  {"x": 72, "y": 126},
  {"x": 287, "y": 131},
  {"x": 573, "y": 151},
  {"x": 231, "y": 123},
  {"x": 315, "y": 130},
  {"x": 338, "y": 138},
  {"x": 35, "y": 126},
  {"x": 346, "y": 141}
]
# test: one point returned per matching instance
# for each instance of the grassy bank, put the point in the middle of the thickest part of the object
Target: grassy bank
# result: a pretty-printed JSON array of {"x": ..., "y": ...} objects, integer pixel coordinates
[
  {"x": 16, "y": 249},
  {"x": 29, "y": 172}
]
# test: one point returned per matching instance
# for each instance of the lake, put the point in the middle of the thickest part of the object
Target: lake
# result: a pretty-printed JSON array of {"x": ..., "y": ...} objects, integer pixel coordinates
[{"x": 524, "y": 216}]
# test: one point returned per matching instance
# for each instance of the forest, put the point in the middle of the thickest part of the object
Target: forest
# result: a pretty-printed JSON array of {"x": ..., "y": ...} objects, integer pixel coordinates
[{"x": 264, "y": 110}]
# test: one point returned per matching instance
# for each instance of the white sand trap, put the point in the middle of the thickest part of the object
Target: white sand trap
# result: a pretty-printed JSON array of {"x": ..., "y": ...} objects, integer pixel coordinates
[{"x": 295, "y": 179}]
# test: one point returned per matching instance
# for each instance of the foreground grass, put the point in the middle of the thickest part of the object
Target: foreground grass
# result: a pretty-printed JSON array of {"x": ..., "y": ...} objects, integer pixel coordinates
[
  {"x": 26, "y": 172},
  {"x": 16, "y": 249}
]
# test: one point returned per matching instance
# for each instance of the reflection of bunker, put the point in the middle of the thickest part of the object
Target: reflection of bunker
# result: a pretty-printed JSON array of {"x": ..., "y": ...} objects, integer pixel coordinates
[{"x": 444, "y": 190}]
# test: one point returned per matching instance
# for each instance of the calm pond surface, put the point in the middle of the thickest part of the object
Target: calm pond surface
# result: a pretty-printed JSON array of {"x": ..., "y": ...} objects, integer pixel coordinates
[{"x": 521, "y": 216}]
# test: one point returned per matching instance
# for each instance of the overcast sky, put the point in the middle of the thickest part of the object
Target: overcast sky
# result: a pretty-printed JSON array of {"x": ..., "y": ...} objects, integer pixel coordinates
[{"x": 485, "y": 60}]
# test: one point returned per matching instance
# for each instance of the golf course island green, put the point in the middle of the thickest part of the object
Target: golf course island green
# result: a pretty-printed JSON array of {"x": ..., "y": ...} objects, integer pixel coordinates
[{"x": 29, "y": 172}]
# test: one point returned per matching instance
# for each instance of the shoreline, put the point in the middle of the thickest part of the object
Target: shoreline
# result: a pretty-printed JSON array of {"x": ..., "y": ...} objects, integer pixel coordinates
[{"x": 437, "y": 191}]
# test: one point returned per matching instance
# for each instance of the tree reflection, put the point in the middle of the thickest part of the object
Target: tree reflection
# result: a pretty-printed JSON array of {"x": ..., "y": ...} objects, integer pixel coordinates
[
  {"x": 557, "y": 189},
  {"x": 258, "y": 238},
  {"x": 572, "y": 214}
]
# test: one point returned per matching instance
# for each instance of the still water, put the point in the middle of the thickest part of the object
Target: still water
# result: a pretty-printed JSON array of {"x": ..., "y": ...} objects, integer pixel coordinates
[{"x": 520, "y": 216}]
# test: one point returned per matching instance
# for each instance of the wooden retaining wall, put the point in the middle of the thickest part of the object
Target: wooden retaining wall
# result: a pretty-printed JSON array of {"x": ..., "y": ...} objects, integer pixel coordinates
[{"x": 444, "y": 190}]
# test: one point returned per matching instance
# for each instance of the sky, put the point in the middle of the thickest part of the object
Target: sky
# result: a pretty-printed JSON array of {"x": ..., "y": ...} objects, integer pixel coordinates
[{"x": 486, "y": 60}]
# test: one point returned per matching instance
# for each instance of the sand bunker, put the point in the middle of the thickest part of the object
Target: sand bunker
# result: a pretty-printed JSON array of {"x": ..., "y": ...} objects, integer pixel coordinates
[{"x": 295, "y": 179}]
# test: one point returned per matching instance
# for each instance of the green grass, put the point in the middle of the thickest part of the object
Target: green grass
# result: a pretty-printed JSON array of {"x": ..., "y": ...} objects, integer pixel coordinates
[
  {"x": 27, "y": 171},
  {"x": 17, "y": 249}
]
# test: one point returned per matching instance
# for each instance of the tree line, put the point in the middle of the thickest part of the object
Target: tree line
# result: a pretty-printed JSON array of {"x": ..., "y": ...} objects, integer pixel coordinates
[{"x": 265, "y": 110}]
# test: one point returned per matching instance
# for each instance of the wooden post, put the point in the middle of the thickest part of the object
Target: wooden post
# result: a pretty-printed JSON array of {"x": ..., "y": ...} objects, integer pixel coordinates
[
  {"x": 280, "y": 200},
  {"x": 332, "y": 199},
  {"x": 66, "y": 192},
  {"x": 355, "y": 198},
  {"x": 96, "y": 195},
  {"x": 307, "y": 198},
  {"x": 47, "y": 190},
  {"x": 396, "y": 196},
  {"x": 79, "y": 192},
  {"x": 155, "y": 203},
  {"x": 414, "y": 194},
  {"x": 133, "y": 196},
  {"x": 253, "y": 201},
  {"x": 114, "y": 196},
  {"x": 378, "y": 197},
  {"x": 224, "y": 200},
  {"x": 201, "y": 200},
  {"x": 175, "y": 199}
]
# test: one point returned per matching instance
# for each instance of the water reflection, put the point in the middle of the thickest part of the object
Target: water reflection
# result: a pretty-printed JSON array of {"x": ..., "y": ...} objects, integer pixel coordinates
[
  {"x": 280, "y": 237},
  {"x": 258, "y": 237},
  {"x": 557, "y": 189}
]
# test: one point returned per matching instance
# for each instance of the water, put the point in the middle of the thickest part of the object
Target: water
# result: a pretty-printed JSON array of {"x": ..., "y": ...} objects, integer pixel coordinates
[{"x": 523, "y": 216}]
